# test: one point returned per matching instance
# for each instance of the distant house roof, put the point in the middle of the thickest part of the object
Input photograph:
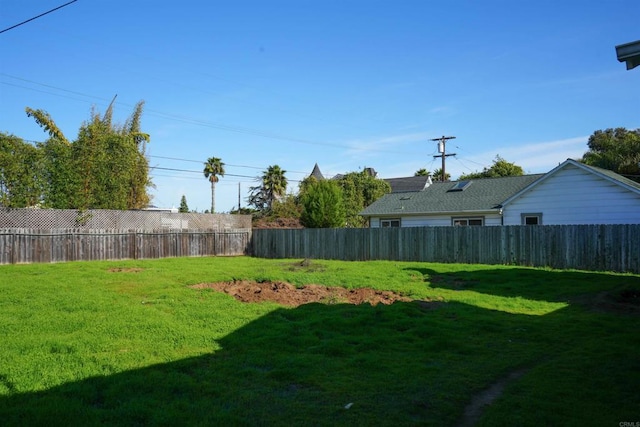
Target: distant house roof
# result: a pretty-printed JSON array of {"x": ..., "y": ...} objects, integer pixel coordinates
[
  {"x": 481, "y": 195},
  {"x": 316, "y": 173},
  {"x": 412, "y": 183}
]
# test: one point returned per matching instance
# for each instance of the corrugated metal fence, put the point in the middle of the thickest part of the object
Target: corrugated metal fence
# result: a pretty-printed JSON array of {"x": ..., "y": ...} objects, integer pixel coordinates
[
  {"x": 585, "y": 247},
  {"x": 22, "y": 245}
]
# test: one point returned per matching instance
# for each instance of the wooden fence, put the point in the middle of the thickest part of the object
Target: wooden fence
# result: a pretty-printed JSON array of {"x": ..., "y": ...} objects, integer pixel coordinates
[
  {"x": 584, "y": 247},
  {"x": 46, "y": 245}
]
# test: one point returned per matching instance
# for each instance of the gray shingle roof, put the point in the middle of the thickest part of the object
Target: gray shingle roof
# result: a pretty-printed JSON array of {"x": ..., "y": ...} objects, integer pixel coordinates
[
  {"x": 481, "y": 195},
  {"x": 403, "y": 185},
  {"x": 316, "y": 173}
]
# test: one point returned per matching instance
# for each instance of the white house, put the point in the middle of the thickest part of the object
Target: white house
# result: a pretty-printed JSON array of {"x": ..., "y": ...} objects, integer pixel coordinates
[{"x": 572, "y": 193}]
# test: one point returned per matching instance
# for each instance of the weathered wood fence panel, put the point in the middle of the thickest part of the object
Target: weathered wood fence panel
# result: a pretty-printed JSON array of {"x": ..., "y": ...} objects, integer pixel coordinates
[
  {"x": 58, "y": 245},
  {"x": 585, "y": 247}
]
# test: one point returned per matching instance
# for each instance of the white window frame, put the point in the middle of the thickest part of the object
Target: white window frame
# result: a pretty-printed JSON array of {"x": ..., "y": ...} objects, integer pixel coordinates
[
  {"x": 465, "y": 221},
  {"x": 390, "y": 222},
  {"x": 525, "y": 216}
]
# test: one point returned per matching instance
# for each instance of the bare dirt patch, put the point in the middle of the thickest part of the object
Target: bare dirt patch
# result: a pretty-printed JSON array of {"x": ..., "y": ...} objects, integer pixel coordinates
[
  {"x": 125, "y": 270},
  {"x": 290, "y": 295}
]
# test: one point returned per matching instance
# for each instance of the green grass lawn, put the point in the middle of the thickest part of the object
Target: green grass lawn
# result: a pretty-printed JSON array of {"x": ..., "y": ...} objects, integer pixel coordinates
[{"x": 131, "y": 343}]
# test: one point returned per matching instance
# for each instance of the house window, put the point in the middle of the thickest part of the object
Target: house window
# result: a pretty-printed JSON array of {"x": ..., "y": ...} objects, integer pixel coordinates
[
  {"x": 395, "y": 222},
  {"x": 531, "y": 219},
  {"x": 468, "y": 221}
]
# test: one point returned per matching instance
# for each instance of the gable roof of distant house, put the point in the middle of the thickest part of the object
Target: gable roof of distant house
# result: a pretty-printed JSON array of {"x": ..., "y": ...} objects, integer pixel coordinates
[
  {"x": 603, "y": 173},
  {"x": 481, "y": 195}
]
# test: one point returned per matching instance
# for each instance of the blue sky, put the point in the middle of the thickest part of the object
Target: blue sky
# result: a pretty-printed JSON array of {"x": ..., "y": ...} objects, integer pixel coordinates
[{"x": 347, "y": 84}]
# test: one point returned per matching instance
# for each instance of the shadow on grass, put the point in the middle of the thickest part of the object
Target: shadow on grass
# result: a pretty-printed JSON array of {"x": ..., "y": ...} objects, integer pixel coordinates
[
  {"x": 535, "y": 284},
  {"x": 402, "y": 364}
]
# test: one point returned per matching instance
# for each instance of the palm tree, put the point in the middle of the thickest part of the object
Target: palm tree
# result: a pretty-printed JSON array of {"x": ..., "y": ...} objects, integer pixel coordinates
[
  {"x": 437, "y": 174},
  {"x": 422, "y": 172},
  {"x": 212, "y": 168},
  {"x": 274, "y": 184}
]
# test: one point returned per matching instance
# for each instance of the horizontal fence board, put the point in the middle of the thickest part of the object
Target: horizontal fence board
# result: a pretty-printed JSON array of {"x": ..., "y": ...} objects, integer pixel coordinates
[
  {"x": 584, "y": 247},
  {"x": 26, "y": 245}
]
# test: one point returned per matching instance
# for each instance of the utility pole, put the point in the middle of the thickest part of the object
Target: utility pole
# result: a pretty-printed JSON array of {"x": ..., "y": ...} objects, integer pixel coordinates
[
  {"x": 442, "y": 141},
  {"x": 238, "y": 197}
]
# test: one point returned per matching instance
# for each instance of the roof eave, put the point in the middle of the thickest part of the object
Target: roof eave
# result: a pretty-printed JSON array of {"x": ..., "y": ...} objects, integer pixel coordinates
[{"x": 435, "y": 213}]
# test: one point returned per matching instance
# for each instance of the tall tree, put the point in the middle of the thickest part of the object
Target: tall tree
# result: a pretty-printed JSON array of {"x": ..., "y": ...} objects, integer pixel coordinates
[
  {"x": 213, "y": 168},
  {"x": 421, "y": 172},
  {"x": 359, "y": 190},
  {"x": 184, "y": 208},
  {"x": 275, "y": 183},
  {"x": 437, "y": 175},
  {"x": 104, "y": 168},
  {"x": 323, "y": 205},
  {"x": 273, "y": 187},
  {"x": 615, "y": 149},
  {"x": 500, "y": 167},
  {"x": 21, "y": 180}
]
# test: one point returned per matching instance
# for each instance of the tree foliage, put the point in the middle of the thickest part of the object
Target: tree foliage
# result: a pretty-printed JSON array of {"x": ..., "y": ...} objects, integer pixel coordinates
[
  {"x": 437, "y": 175},
  {"x": 213, "y": 168},
  {"x": 421, "y": 172},
  {"x": 615, "y": 149},
  {"x": 20, "y": 172},
  {"x": 273, "y": 186},
  {"x": 323, "y": 205},
  {"x": 359, "y": 190},
  {"x": 184, "y": 207},
  {"x": 499, "y": 168},
  {"x": 104, "y": 168}
]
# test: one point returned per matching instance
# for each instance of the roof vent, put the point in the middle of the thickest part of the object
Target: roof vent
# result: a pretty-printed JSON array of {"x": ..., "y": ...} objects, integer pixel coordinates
[{"x": 460, "y": 186}]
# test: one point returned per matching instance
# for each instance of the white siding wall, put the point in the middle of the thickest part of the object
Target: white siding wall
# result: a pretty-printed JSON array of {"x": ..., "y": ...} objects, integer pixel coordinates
[
  {"x": 439, "y": 220},
  {"x": 574, "y": 196}
]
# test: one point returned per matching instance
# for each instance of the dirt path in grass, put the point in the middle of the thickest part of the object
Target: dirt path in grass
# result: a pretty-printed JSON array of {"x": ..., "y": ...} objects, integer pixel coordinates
[
  {"x": 486, "y": 397},
  {"x": 288, "y": 294}
]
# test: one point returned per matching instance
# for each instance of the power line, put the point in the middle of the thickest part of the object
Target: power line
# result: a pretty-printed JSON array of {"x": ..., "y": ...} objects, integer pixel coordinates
[
  {"x": 36, "y": 17},
  {"x": 226, "y": 164},
  {"x": 204, "y": 123},
  {"x": 192, "y": 161},
  {"x": 199, "y": 172}
]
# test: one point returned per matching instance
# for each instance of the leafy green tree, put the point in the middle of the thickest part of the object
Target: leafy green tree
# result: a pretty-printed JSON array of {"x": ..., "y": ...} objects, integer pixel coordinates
[
  {"x": 500, "y": 167},
  {"x": 184, "y": 208},
  {"x": 272, "y": 188},
  {"x": 323, "y": 205},
  {"x": 305, "y": 184},
  {"x": 213, "y": 168},
  {"x": 286, "y": 207},
  {"x": 21, "y": 179},
  {"x": 359, "y": 190},
  {"x": 615, "y": 149},
  {"x": 421, "y": 172},
  {"x": 104, "y": 168},
  {"x": 61, "y": 179}
]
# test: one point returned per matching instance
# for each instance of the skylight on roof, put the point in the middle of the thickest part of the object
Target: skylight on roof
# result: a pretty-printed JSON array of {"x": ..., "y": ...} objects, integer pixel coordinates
[{"x": 460, "y": 185}]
